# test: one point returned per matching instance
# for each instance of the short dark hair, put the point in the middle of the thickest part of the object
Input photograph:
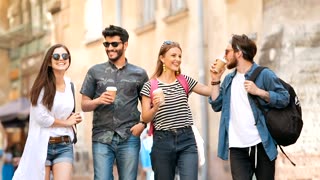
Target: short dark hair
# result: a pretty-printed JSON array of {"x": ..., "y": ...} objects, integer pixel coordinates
[
  {"x": 113, "y": 30},
  {"x": 245, "y": 45}
]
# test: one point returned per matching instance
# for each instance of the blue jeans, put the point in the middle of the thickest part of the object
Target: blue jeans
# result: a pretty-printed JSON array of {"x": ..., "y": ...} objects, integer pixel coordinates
[
  {"x": 61, "y": 152},
  {"x": 125, "y": 153},
  {"x": 173, "y": 150}
]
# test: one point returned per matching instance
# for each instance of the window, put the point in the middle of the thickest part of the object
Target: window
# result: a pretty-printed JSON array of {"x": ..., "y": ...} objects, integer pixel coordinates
[
  {"x": 93, "y": 20},
  {"x": 177, "y": 9},
  {"x": 177, "y": 6},
  {"x": 148, "y": 12}
]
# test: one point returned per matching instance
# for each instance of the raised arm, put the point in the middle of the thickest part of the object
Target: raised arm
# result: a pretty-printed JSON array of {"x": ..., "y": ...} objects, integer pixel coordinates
[{"x": 202, "y": 89}]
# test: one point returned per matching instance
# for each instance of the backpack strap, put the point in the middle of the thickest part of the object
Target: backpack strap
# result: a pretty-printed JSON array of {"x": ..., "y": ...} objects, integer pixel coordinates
[
  {"x": 256, "y": 73},
  {"x": 183, "y": 81},
  {"x": 74, "y": 127},
  {"x": 253, "y": 78},
  {"x": 294, "y": 164},
  {"x": 153, "y": 86}
]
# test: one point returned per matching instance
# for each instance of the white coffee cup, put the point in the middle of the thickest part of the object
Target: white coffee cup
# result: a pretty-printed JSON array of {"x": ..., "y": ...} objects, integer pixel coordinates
[
  {"x": 159, "y": 93},
  {"x": 112, "y": 90}
]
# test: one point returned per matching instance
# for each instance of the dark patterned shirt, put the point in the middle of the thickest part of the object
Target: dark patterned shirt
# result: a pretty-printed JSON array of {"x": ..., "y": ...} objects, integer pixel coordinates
[{"x": 121, "y": 115}]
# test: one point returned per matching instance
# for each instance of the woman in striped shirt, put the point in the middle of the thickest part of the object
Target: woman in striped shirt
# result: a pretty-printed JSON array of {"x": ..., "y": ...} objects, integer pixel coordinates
[{"x": 174, "y": 144}]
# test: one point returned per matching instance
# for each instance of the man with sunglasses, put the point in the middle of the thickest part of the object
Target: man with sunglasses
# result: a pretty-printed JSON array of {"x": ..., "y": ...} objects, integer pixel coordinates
[
  {"x": 116, "y": 121},
  {"x": 243, "y": 129}
]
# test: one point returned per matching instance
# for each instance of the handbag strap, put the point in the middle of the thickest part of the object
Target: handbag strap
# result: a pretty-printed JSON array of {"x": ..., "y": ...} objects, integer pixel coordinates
[{"x": 74, "y": 127}]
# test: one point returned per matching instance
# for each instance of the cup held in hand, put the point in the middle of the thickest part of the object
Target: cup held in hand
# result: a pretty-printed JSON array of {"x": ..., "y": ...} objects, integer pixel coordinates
[
  {"x": 220, "y": 63},
  {"x": 159, "y": 93},
  {"x": 112, "y": 90}
]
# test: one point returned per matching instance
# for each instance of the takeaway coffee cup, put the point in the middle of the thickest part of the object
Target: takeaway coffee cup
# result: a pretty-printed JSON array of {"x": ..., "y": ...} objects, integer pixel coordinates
[
  {"x": 159, "y": 93},
  {"x": 220, "y": 63},
  {"x": 112, "y": 90}
]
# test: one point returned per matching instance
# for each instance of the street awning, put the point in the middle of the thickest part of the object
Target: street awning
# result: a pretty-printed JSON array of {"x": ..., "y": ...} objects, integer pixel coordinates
[{"x": 15, "y": 113}]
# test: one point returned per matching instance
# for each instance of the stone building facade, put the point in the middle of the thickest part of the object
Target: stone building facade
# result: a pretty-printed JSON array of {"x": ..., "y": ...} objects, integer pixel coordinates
[{"x": 287, "y": 33}]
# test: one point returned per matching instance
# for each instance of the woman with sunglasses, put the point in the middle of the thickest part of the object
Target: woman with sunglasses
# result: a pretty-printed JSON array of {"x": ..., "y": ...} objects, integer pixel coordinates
[
  {"x": 174, "y": 145},
  {"x": 49, "y": 146}
]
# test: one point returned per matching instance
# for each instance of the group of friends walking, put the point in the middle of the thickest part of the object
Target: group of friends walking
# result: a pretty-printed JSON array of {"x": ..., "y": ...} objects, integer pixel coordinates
[{"x": 117, "y": 122}]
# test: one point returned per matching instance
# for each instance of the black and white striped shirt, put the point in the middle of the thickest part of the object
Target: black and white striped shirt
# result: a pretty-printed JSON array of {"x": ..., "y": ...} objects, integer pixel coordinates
[{"x": 175, "y": 112}]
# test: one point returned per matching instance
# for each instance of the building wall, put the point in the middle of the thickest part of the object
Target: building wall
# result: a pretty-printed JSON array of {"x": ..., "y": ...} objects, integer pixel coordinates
[
  {"x": 290, "y": 46},
  {"x": 286, "y": 34},
  {"x": 4, "y": 60},
  {"x": 3, "y": 13},
  {"x": 4, "y": 77}
]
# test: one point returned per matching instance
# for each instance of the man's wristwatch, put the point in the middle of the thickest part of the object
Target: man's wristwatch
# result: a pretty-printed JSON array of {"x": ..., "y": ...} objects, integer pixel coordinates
[{"x": 144, "y": 123}]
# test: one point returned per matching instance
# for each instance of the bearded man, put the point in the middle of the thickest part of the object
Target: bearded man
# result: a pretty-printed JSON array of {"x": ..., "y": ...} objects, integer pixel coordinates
[
  {"x": 243, "y": 133},
  {"x": 116, "y": 120}
]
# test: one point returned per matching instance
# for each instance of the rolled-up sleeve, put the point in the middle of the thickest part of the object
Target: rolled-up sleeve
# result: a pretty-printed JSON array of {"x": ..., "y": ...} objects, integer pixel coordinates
[
  {"x": 278, "y": 95},
  {"x": 216, "y": 104},
  {"x": 279, "y": 99}
]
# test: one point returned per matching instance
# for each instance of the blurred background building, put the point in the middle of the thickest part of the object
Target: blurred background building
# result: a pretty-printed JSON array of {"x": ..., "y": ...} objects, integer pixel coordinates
[{"x": 287, "y": 33}]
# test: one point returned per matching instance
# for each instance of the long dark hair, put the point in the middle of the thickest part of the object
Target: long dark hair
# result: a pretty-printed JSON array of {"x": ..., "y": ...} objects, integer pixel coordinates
[
  {"x": 166, "y": 46},
  {"x": 46, "y": 79}
]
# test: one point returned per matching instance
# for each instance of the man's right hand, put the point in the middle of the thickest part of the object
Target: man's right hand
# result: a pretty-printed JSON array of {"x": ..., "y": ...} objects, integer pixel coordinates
[
  {"x": 214, "y": 75},
  {"x": 105, "y": 98}
]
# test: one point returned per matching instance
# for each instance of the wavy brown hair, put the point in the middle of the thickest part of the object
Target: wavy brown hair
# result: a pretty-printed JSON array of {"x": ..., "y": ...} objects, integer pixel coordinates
[
  {"x": 165, "y": 47},
  {"x": 46, "y": 80},
  {"x": 244, "y": 44}
]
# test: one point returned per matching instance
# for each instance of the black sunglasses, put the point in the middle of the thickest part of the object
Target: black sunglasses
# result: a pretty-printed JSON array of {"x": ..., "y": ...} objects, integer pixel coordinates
[
  {"x": 113, "y": 44},
  {"x": 64, "y": 56}
]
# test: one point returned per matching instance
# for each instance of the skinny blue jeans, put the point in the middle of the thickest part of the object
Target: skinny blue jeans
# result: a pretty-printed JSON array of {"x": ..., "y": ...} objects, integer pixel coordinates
[
  {"x": 174, "y": 150},
  {"x": 126, "y": 155}
]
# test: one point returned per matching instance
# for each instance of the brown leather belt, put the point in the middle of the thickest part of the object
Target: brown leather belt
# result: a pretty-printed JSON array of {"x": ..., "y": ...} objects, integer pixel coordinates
[{"x": 60, "y": 139}]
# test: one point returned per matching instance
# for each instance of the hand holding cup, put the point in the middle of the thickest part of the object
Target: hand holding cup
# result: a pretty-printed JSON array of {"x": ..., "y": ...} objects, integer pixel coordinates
[
  {"x": 158, "y": 96},
  {"x": 219, "y": 65},
  {"x": 112, "y": 90}
]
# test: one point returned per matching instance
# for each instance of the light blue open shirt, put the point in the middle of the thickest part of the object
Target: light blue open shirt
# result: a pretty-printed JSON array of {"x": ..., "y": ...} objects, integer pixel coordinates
[{"x": 279, "y": 98}]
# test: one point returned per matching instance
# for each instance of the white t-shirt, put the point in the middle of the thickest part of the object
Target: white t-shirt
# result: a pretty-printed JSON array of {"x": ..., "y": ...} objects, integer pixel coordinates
[
  {"x": 242, "y": 129},
  {"x": 62, "y": 106}
]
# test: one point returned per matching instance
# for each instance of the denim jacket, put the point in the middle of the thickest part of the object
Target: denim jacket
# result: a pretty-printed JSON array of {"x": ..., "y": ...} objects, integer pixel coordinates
[{"x": 279, "y": 98}]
